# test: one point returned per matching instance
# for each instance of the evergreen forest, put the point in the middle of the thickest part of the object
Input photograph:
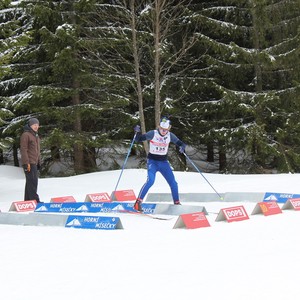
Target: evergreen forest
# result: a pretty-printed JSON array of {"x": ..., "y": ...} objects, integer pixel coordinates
[{"x": 226, "y": 73}]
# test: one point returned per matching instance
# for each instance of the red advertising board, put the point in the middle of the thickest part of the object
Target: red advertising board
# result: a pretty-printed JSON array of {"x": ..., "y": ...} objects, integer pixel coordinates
[
  {"x": 23, "y": 206},
  {"x": 98, "y": 197},
  {"x": 267, "y": 208},
  {"x": 63, "y": 199},
  {"x": 123, "y": 195},
  {"x": 192, "y": 221},
  {"x": 232, "y": 214},
  {"x": 292, "y": 204}
]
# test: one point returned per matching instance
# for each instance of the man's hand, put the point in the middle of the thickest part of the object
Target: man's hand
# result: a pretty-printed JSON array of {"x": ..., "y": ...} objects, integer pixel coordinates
[{"x": 27, "y": 168}]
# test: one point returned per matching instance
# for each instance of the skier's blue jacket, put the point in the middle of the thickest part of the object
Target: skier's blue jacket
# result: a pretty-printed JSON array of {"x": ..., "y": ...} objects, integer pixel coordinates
[{"x": 159, "y": 144}]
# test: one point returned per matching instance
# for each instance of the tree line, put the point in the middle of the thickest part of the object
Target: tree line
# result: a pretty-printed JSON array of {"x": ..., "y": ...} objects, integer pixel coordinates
[{"x": 226, "y": 72}]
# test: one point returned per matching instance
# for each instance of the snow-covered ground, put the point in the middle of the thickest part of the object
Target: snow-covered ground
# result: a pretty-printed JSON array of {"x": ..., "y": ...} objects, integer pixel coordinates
[{"x": 252, "y": 259}]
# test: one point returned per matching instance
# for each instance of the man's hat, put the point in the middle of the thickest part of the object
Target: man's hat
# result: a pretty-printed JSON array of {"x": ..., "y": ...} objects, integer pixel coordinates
[{"x": 33, "y": 121}]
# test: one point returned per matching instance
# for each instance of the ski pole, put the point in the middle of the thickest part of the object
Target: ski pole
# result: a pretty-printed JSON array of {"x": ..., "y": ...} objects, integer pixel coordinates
[
  {"x": 125, "y": 161},
  {"x": 193, "y": 164}
]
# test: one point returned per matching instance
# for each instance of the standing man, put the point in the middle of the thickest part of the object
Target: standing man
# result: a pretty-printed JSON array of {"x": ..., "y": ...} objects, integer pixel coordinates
[
  {"x": 30, "y": 158},
  {"x": 157, "y": 159}
]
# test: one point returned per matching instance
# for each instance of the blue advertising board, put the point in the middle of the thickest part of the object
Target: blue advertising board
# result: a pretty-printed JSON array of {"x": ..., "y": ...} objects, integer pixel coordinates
[
  {"x": 279, "y": 197},
  {"x": 94, "y": 222},
  {"x": 92, "y": 207},
  {"x": 65, "y": 207},
  {"x": 48, "y": 207}
]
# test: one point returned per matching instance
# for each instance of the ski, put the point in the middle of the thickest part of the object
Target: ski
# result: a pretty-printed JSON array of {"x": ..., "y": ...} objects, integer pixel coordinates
[{"x": 135, "y": 212}]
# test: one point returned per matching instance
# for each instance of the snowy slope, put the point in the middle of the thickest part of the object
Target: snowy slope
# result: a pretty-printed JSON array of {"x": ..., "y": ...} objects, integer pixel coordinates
[{"x": 253, "y": 259}]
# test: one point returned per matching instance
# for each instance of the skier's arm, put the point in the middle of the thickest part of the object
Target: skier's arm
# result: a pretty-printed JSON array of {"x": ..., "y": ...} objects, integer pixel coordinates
[
  {"x": 144, "y": 137},
  {"x": 177, "y": 142}
]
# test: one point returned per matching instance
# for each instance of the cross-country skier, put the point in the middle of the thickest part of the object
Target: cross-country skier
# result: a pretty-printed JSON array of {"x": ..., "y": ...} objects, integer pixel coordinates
[{"x": 157, "y": 159}]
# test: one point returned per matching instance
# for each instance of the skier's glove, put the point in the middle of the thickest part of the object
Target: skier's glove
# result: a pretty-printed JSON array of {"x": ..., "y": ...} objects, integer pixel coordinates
[
  {"x": 137, "y": 128},
  {"x": 182, "y": 149},
  {"x": 27, "y": 168}
]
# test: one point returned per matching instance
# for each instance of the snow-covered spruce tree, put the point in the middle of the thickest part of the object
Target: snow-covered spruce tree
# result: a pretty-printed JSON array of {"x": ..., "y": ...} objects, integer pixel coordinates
[
  {"x": 237, "y": 107},
  {"x": 275, "y": 41},
  {"x": 13, "y": 37},
  {"x": 5, "y": 33},
  {"x": 206, "y": 115},
  {"x": 91, "y": 65},
  {"x": 116, "y": 27},
  {"x": 64, "y": 84},
  {"x": 283, "y": 78}
]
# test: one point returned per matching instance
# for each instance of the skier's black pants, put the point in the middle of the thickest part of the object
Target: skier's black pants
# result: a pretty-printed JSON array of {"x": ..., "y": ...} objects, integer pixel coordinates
[{"x": 31, "y": 184}]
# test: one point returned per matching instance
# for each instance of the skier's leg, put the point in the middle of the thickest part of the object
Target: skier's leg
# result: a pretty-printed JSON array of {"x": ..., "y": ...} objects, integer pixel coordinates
[
  {"x": 168, "y": 174},
  {"x": 151, "y": 174}
]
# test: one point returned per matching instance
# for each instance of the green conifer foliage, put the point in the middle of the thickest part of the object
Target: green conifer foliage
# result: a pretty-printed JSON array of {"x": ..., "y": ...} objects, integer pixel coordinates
[
  {"x": 226, "y": 72},
  {"x": 238, "y": 104}
]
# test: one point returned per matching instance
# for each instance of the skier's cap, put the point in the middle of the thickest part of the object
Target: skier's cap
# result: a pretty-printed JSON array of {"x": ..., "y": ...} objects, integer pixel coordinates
[
  {"x": 165, "y": 123},
  {"x": 33, "y": 121}
]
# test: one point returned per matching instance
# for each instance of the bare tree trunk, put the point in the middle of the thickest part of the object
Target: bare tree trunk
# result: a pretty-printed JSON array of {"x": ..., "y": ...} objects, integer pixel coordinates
[
  {"x": 15, "y": 155},
  {"x": 222, "y": 157},
  {"x": 166, "y": 14},
  {"x": 89, "y": 158},
  {"x": 210, "y": 152},
  {"x": 137, "y": 72},
  {"x": 78, "y": 147},
  {"x": 257, "y": 39},
  {"x": 1, "y": 157},
  {"x": 55, "y": 155},
  {"x": 159, "y": 5}
]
